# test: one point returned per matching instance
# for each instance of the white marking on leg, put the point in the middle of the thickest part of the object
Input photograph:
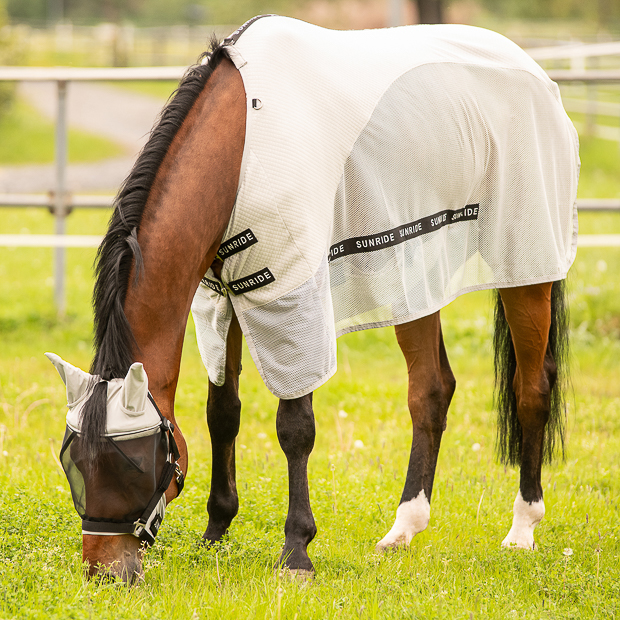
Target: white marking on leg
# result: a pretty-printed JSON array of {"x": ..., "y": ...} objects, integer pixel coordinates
[
  {"x": 412, "y": 517},
  {"x": 526, "y": 517}
]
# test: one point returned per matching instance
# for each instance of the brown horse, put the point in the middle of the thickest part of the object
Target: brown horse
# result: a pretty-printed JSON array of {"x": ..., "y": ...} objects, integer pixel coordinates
[{"x": 169, "y": 221}]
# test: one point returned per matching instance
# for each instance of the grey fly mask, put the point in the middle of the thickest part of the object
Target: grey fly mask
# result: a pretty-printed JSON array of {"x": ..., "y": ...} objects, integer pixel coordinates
[{"x": 138, "y": 455}]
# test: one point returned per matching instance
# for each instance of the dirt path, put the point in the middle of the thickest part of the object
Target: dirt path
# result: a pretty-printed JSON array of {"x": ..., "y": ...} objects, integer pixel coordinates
[{"x": 115, "y": 113}]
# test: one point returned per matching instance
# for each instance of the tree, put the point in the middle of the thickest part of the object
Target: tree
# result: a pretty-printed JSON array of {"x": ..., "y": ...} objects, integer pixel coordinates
[{"x": 430, "y": 11}]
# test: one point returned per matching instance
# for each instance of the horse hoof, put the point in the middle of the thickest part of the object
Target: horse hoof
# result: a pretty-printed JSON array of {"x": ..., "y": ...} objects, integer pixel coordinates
[
  {"x": 520, "y": 538},
  {"x": 387, "y": 547},
  {"x": 519, "y": 543},
  {"x": 299, "y": 575},
  {"x": 391, "y": 544}
]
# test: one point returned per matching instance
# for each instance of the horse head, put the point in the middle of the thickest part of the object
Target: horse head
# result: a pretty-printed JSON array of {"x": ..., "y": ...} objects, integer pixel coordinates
[{"x": 119, "y": 480}]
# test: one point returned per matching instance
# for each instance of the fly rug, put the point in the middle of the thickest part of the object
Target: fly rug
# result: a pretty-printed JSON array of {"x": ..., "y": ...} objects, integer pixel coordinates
[{"x": 304, "y": 183}]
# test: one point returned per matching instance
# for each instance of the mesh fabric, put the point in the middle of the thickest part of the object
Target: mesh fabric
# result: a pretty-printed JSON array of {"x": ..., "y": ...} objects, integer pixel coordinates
[
  {"x": 120, "y": 484},
  {"x": 385, "y": 173}
]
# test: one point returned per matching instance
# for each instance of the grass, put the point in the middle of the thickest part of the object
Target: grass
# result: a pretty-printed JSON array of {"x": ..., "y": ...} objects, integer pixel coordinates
[
  {"x": 600, "y": 168},
  {"x": 160, "y": 89},
  {"x": 28, "y": 138},
  {"x": 455, "y": 569}
]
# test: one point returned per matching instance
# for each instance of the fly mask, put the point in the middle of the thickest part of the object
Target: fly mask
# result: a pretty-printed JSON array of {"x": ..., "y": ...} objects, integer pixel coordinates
[{"x": 123, "y": 490}]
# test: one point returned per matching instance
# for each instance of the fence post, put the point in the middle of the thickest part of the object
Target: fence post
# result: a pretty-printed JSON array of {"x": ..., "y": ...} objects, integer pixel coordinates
[
  {"x": 395, "y": 17},
  {"x": 60, "y": 204}
]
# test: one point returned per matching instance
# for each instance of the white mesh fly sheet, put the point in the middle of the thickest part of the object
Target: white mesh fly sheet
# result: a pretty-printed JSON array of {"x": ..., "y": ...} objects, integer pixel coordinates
[{"x": 385, "y": 173}]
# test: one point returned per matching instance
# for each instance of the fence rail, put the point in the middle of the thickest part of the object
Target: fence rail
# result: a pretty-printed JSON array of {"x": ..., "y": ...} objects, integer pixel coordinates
[
  {"x": 93, "y": 241},
  {"x": 573, "y": 51},
  {"x": 590, "y": 76},
  {"x": 89, "y": 74},
  {"x": 60, "y": 201},
  {"x": 82, "y": 201},
  {"x": 48, "y": 201}
]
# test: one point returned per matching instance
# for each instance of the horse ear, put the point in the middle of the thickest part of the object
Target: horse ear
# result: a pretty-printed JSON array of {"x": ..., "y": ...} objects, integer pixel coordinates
[
  {"x": 76, "y": 380},
  {"x": 135, "y": 389}
]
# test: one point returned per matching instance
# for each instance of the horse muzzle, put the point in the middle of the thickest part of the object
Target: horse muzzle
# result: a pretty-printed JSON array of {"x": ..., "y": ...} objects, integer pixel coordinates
[{"x": 113, "y": 557}]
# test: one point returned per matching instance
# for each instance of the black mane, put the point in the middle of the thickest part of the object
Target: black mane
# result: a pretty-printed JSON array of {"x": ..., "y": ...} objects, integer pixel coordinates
[{"x": 120, "y": 251}]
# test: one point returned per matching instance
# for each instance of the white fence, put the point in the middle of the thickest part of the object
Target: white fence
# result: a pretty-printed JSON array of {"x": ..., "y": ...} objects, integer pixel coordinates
[
  {"x": 116, "y": 45},
  {"x": 60, "y": 201}
]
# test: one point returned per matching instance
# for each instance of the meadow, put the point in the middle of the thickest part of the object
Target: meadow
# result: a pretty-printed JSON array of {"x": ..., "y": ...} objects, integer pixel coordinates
[
  {"x": 455, "y": 569},
  {"x": 28, "y": 138}
]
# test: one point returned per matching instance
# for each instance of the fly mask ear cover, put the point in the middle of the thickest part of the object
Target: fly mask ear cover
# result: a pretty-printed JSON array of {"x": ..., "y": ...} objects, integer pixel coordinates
[{"x": 135, "y": 434}]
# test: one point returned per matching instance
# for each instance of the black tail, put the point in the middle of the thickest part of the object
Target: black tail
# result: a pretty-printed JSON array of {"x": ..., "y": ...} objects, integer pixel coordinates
[{"x": 509, "y": 435}]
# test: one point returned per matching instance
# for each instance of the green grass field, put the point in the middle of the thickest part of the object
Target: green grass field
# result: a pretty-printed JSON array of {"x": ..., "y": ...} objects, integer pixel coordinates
[
  {"x": 455, "y": 569},
  {"x": 28, "y": 138}
]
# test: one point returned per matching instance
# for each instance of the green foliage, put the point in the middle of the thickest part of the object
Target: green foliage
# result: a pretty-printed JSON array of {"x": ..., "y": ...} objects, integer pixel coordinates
[
  {"x": 42, "y": 12},
  {"x": 7, "y": 56},
  {"x": 224, "y": 12},
  {"x": 27, "y": 138},
  {"x": 167, "y": 12},
  {"x": 600, "y": 168},
  {"x": 28, "y": 10},
  {"x": 604, "y": 12},
  {"x": 151, "y": 12}
]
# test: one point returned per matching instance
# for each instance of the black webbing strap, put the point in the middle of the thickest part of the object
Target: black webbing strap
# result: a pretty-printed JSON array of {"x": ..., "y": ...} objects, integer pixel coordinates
[
  {"x": 107, "y": 527},
  {"x": 164, "y": 483},
  {"x": 174, "y": 449},
  {"x": 147, "y": 534},
  {"x": 173, "y": 444}
]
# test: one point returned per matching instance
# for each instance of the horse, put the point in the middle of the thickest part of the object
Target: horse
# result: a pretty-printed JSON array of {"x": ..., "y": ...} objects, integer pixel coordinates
[{"x": 171, "y": 246}]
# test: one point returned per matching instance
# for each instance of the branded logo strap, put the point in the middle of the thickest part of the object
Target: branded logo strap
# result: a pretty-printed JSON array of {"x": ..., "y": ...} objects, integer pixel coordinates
[
  {"x": 400, "y": 234},
  {"x": 237, "y": 244},
  {"x": 252, "y": 282},
  {"x": 232, "y": 39},
  {"x": 214, "y": 285}
]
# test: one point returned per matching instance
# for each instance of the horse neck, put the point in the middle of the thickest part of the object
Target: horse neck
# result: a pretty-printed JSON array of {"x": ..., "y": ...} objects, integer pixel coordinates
[{"x": 186, "y": 214}]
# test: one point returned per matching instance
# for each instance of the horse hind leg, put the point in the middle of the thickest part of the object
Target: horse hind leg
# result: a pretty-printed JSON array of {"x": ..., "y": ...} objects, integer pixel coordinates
[
  {"x": 524, "y": 436},
  {"x": 430, "y": 390},
  {"x": 223, "y": 418}
]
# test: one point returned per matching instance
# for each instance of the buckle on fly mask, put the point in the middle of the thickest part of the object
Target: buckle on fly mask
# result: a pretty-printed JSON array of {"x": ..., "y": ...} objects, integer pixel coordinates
[{"x": 123, "y": 490}]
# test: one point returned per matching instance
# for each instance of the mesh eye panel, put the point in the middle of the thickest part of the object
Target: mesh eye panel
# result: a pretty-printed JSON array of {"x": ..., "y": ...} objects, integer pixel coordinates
[{"x": 120, "y": 484}]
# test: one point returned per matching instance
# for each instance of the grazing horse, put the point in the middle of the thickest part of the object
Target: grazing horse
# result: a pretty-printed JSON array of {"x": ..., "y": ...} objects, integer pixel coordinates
[{"x": 304, "y": 183}]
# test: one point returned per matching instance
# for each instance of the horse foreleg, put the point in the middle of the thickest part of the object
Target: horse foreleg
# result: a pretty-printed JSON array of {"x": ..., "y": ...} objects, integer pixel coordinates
[
  {"x": 431, "y": 386},
  {"x": 296, "y": 432},
  {"x": 528, "y": 312},
  {"x": 223, "y": 416}
]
